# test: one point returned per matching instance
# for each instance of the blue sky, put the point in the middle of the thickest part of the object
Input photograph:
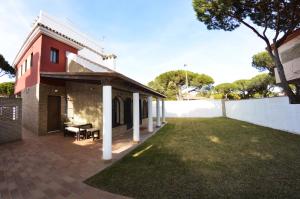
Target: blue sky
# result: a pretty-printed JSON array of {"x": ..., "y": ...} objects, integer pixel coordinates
[{"x": 149, "y": 37}]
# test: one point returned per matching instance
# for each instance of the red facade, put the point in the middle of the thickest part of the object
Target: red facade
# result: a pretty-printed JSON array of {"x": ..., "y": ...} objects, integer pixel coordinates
[
  {"x": 41, "y": 47},
  {"x": 47, "y": 44}
]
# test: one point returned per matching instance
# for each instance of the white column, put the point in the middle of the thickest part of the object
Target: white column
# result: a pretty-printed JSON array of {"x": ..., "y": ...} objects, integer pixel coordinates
[
  {"x": 150, "y": 116},
  {"x": 163, "y": 113},
  {"x": 107, "y": 123},
  {"x": 158, "y": 123},
  {"x": 136, "y": 117}
]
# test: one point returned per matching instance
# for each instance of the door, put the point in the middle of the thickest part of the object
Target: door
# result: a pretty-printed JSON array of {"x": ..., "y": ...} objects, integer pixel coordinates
[
  {"x": 128, "y": 113},
  {"x": 54, "y": 106}
]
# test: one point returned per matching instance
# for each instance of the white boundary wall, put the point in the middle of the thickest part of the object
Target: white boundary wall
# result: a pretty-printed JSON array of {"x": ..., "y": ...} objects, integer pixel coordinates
[
  {"x": 274, "y": 112},
  {"x": 192, "y": 108}
]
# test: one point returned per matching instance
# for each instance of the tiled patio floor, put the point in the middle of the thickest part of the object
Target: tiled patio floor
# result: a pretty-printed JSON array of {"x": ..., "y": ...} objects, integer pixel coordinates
[{"x": 54, "y": 166}]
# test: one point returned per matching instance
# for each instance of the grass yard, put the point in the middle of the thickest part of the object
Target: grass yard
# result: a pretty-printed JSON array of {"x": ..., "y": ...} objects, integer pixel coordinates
[{"x": 208, "y": 158}]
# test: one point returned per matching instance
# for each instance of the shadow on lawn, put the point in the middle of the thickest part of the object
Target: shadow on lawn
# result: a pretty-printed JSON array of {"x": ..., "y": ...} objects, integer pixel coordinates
[{"x": 208, "y": 158}]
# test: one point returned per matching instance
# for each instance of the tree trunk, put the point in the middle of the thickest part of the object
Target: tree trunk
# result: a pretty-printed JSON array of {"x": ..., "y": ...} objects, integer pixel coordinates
[
  {"x": 179, "y": 94},
  {"x": 297, "y": 89},
  {"x": 288, "y": 91}
]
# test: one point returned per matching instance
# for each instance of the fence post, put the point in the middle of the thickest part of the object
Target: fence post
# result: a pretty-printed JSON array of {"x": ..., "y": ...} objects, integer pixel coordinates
[{"x": 223, "y": 107}]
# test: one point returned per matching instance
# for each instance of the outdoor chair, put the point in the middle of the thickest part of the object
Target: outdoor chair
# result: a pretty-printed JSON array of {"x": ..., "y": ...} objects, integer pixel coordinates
[
  {"x": 67, "y": 124},
  {"x": 90, "y": 131},
  {"x": 76, "y": 130}
]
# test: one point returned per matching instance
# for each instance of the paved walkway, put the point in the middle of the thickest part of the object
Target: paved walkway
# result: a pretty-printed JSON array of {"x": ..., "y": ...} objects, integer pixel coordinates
[{"x": 54, "y": 166}]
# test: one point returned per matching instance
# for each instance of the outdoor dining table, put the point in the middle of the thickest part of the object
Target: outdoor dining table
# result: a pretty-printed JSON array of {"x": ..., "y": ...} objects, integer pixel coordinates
[
  {"x": 70, "y": 124},
  {"x": 85, "y": 128}
]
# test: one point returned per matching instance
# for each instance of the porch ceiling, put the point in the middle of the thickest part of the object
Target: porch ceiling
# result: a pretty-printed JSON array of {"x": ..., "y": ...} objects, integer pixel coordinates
[{"x": 111, "y": 77}]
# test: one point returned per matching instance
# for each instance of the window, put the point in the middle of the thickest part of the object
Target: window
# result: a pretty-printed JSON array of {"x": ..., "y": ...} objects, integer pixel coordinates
[
  {"x": 115, "y": 112},
  {"x": 31, "y": 59},
  {"x": 23, "y": 69},
  {"x": 28, "y": 63},
  {"x": 26, "y": 67},
  {"x": 54, "y": 56}
]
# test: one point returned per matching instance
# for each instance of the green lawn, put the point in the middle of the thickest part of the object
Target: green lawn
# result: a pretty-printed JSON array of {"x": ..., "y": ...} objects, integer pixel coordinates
[{"x": 208, "y": 158}]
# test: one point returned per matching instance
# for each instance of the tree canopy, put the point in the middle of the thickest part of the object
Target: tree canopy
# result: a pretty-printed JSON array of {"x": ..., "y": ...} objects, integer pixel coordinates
[
  {"x": 225, "y": 89},
  {"x": 263, "y": 17},
  {"x": 5, "y": 68},
  {"x": 261, "y": 84},
  {"x": 262, "y": 62},
  {"x": 170, "y": 83},
  {"x": 242, "y": 86},
  {"x": 258, "y": 86},
  {"x": 7, "y": 89}
]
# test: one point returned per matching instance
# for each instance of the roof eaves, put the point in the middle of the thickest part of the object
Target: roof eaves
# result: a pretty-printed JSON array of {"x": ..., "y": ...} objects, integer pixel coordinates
[
  {"x": 60, "y": 34},
  {"x": 139, "y": 84},
  {"x": 291, "y": 36},
  {"x": 110, "y": 73}
]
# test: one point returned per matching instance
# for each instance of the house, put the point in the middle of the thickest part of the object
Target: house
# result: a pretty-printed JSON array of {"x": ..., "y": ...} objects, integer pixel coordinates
[
  {"x": 63, "y": 75},
  {"x": 289, "y": 52},
  {"x": 193, "y": 92}
]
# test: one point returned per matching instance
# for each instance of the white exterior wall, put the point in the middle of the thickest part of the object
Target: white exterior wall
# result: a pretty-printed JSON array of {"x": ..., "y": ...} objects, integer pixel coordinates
[
  {"x": 192, "y": 108},
  {"x": 86, "y": 53},
  {"x": 275, "y": 113},
  {"x": 84, "y": 63}
]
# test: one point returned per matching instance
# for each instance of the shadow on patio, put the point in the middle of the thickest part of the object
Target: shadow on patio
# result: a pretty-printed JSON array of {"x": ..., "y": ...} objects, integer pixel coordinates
[{"x": 54, "y": 166}]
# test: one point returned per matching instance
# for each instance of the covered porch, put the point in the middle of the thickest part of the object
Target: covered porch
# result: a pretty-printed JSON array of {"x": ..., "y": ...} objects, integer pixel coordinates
[{"x": 123, "y": 105}]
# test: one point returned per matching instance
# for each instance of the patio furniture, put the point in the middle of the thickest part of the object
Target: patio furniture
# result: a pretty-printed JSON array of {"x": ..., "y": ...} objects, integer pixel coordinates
[
  {"x": 90, "y": 131},
  {"x": 77, "y": 131},
  {"x": 67, "y": 124}
]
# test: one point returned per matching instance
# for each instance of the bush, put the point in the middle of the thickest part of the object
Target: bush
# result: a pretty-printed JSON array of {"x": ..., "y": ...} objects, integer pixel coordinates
[
  {"x": 7, "y": 88},
  {"x": 257, "y": 95},
  {"x": 233, "y": 96},
  {"x": 218, "y": 96},
  {"x": 206, "y": 94}
]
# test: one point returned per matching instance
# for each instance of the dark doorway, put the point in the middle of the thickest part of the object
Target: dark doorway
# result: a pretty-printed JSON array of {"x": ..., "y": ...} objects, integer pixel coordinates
[
  {"x": 53, "y": 109},
  {"x": 116, "y": 112},
  {"x": 141, "y": 114},
  {"x": 145, "y": 109},
  {"x": 128, "y": 113}
]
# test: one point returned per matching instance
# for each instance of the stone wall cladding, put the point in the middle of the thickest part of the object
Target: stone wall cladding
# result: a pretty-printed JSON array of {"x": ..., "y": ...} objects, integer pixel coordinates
[
  {"x": 30, "y": 106},
  {"x": 10, "y": 119},
  {"x": 84, "y": 99},
  {"x": 290, "y": 54},
  {"x": 84, "y": 103}
]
